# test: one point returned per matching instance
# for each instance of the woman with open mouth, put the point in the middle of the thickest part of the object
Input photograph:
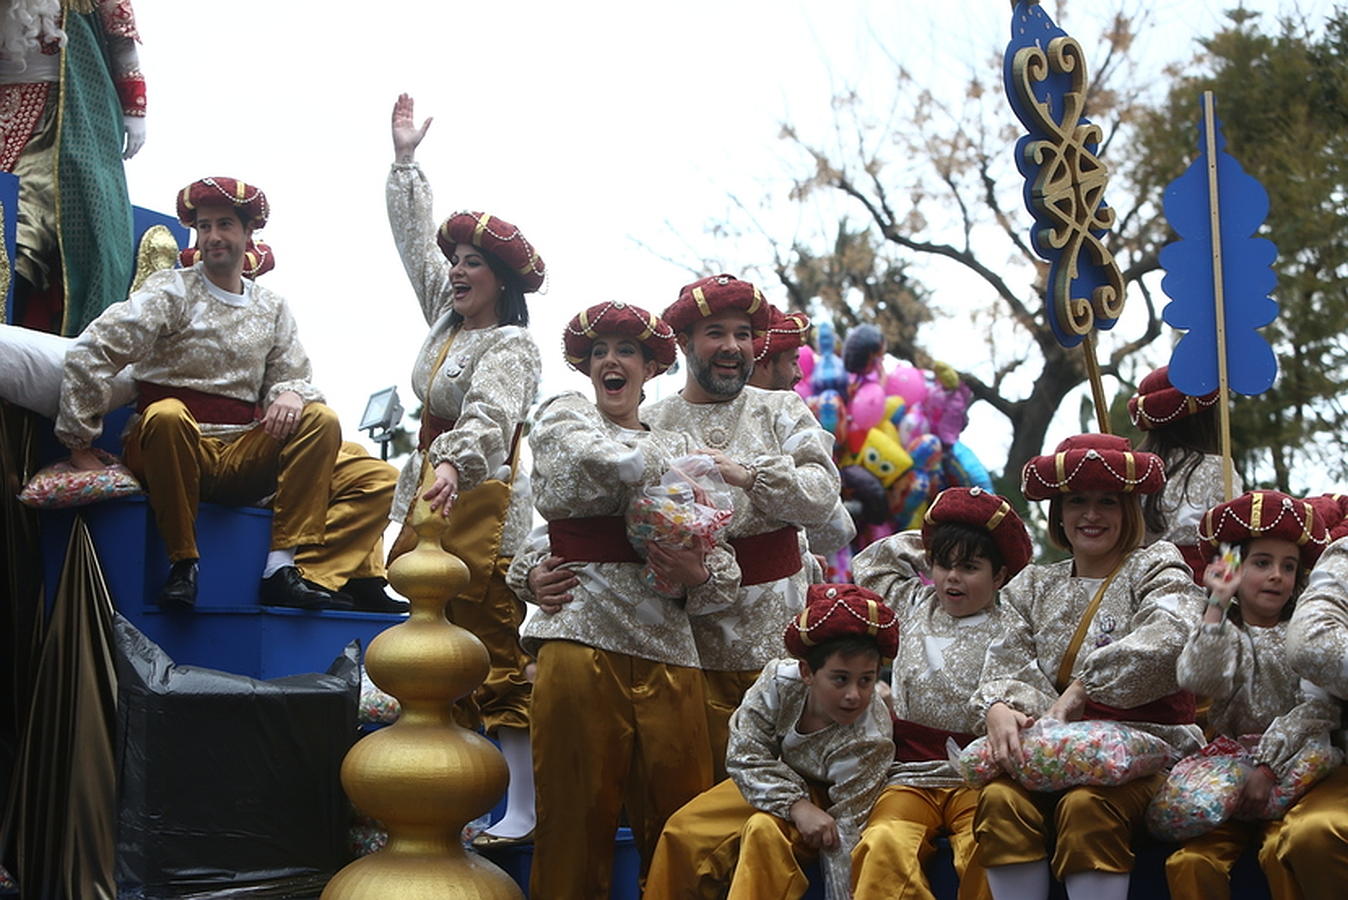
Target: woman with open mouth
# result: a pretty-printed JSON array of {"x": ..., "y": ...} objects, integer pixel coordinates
[
  {"x": 476, "y": 375},
  {"x": 617, "y": 664},
  {"x": 1095, "y": 636}
]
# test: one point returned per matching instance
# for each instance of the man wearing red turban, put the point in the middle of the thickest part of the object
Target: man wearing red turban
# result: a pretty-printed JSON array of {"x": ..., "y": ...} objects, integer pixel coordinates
[{"x": 227, "y": 412}]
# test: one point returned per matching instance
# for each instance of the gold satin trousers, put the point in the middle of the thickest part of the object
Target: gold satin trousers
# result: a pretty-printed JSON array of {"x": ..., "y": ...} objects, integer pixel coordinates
[
  {"x": 896, "y": 843},
  {"x": 1090, "y": 828},
  {"x": 180, "y": 467},
  {"x": 609, "y": 731},
  {"x": 1313, "y": 842},
  {"x": 719, "y": 839},
  {"x": 725, "y": 690},
  {"x": 1201, "y": 867}
]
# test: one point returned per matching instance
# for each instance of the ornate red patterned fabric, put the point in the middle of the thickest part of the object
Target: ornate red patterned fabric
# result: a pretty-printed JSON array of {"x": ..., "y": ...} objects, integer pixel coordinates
[
  {"x": 1157, "y": 402},
  {"x": 1256, "y": 514},
  {"x": 715, "y": 294},
  {"x": 1092, "y": 462},
  {"x": 988, "y": 512},
  {"x": 616, "y": 317},
  {"x": 246, "y": 198},
  {"x": 499, "y": 238},
  {"x": 839, "y": 610}
]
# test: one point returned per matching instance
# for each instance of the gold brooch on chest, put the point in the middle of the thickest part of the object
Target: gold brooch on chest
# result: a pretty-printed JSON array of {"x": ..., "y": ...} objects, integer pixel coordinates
[{"x": 718, "y": 438}]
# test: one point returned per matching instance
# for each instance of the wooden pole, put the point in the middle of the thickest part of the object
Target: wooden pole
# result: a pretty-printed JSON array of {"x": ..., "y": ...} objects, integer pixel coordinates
[
  {"x": 1215, "y": 221},
  {"x": 1097, "y": 386}
]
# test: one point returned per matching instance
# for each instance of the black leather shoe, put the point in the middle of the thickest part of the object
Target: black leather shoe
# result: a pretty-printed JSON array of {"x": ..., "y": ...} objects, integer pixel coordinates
[
  {"x": 286, "y": 587},
  {"x": 367, "y": 595},
  {"x": 180, "y": 590}
]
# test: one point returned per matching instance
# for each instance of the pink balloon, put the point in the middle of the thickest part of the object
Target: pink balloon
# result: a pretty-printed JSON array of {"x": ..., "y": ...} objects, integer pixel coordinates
[
  {"x": 868, "y": 406},
  {"x": 805, "y": 356},
  {"x": 907, "y": 382},
  {"x": 805, "y": 389}
]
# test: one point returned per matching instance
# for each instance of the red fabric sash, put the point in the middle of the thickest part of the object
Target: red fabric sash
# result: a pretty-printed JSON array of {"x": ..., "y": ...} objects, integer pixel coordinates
[
  {"x": 592, "y": 539},
  {"x": 918, "y": 743},
  {"x": 768, "y": 556},
  {"x": 205, "y": 408},
  {"x": 431, "y": 428},
  {"x": 1197, "y": 558},
  {"x": 1178, "y": 708}
]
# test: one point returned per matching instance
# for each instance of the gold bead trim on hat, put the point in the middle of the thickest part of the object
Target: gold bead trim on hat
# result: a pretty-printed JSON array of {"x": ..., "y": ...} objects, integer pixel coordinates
[
  {"x": 589, "y": 329},
  {"x": 767, "y": 334},
  {"x": 482, "y": 226},
  {"x": 1208, "y": 529},
  {"x": 871, "y": 620},
  {"x": 1192, "y": 405},
  {"x": 1062, "y": 478}
]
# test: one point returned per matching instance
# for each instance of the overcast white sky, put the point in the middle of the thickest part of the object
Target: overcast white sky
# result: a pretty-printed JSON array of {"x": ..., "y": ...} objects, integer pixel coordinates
[{"x": 587, "y": 124}]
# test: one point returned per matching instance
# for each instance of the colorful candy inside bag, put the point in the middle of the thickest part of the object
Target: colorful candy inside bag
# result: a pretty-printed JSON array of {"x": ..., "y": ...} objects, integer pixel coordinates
[
  {"x": 1059, "y": 755},
  {"x": 1201, "y": 792},
  {"x": 689, "y": 506}
]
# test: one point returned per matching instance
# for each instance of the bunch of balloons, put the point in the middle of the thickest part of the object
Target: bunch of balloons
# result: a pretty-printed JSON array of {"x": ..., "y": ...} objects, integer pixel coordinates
[{"x": 896, "y": 433}]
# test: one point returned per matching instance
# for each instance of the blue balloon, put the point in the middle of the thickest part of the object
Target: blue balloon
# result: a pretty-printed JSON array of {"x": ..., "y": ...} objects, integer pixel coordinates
[{"x": 963, "y": 468}]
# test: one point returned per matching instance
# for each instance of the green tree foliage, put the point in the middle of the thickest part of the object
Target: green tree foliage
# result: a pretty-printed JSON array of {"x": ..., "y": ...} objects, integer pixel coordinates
[{"x": 1282, "y": 95}]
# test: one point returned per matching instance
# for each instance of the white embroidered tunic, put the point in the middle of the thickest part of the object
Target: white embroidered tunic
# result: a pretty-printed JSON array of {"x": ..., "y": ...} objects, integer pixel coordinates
[
  {"x": 771, "y": 761},
  {"x": 1317, "y": 636},
  {"x": 1133, "y": 642},
  {"x": 940, "y": 661},
  {"x": 488, "y": 380},
  {"x": 180, "y": 330},
  {"x": 1245, "y": 672},
  {"x": 585, "y": 465},
  {"x": 796, "y": 484}
]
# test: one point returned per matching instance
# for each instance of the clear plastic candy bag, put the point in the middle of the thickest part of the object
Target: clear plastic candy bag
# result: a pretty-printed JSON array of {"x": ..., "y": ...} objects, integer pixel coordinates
[
  {"x": 1061, "y": 755},
  {"x": 689, "y": 506}
]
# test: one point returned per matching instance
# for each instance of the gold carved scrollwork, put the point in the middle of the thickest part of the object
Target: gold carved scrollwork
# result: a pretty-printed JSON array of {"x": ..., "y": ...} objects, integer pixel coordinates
[
  {"x": 158, "y": 250},
  {"x": 1069, "y": 190}
]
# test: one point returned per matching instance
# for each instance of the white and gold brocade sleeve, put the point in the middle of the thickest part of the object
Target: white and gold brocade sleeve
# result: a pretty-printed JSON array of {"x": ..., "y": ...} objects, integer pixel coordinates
[
  {"x": 1211, "y": 661},
  {"x": 1011, "y": 672},
  {"x": 504, "y": 382},
  {"x": 891, "y": 567},
  {"x": 408, "y": 197},
  {"x": 580, "y": 463},
  {"x": 800, "y": 485},
  {"x": 1140, "y": 667},
  {"x": 1315, "y": 716},
  {"x": 753, "y": 753},
  {"x": 288, "y": 366},
  {"x": 1317, "y": 638},
  {"x": 122, "y": 334}
]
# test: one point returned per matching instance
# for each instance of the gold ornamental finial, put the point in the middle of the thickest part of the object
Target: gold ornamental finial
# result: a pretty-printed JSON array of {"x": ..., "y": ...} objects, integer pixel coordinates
[{"x": 424, "y": 776}]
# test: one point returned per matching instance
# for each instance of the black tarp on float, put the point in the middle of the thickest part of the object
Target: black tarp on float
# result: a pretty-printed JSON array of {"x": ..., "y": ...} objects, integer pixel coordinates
[{"x": 229, "y": 786}]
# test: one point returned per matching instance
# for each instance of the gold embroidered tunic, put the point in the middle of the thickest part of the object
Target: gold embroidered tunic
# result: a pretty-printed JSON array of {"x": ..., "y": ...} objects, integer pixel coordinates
[
  {"x": 488, "y": 380},
  {"x": 1245, "y": 672},
  {"x": 180, "y": 330},
  {"x": 1132, "y": 644},
  {"x": 585, "y": 465},
  {"x": 796, "y": 483},
  {"x": 770, "y": 760},
  {"x": 940, "y": 661}
]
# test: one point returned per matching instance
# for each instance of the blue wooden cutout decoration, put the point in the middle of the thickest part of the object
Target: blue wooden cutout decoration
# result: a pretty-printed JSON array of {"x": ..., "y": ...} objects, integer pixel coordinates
[
  {"x": 1246, "y": 271},
  {"x": 1044, "y": 71}
]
